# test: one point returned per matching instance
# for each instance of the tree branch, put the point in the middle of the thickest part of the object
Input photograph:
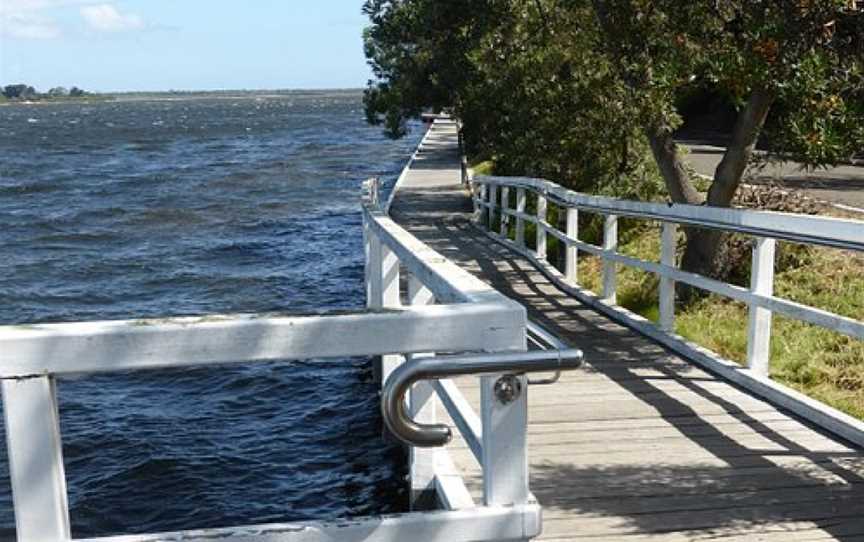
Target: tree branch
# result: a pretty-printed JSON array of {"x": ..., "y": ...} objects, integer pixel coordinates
[
  {"x": 677, "y": 179},
  {"x": 748, "y": 126}
]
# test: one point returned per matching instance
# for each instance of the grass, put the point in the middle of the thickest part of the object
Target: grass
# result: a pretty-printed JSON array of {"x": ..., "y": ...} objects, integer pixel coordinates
[{"x": 821, "y": 363}]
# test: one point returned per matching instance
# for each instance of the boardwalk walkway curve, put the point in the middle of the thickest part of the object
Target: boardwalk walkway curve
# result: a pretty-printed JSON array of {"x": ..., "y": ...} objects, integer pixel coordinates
[{"x": 640, "y": 444}]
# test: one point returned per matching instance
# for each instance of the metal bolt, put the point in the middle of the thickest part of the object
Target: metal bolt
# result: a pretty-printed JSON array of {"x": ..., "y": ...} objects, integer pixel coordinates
[{"x": 507, "y": 389}]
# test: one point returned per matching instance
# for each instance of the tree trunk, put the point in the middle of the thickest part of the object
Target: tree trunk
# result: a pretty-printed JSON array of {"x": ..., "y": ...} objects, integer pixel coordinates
[
  {"x": 748, "y": 126},
  {"x": 703, "y": 251},
  {"x": 676, "y": 178},
  {"x": 703, "y": 246}
]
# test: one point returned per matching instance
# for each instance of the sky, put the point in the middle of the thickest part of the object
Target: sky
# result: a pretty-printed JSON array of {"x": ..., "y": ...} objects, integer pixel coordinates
[{"x": 151, "y": 45}]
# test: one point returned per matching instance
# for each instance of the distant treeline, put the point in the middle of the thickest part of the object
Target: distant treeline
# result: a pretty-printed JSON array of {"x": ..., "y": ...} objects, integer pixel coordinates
[{"x": 23, "y": 91}]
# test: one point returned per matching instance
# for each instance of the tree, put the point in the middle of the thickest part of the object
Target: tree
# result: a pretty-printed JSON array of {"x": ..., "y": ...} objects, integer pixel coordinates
[
  {"x": 518, "y": 76},
  {"x": 804, "y": 55},
  {"x": 576, "y": 89},
  {"x": 76, "y": 92},
  {"x": 57, "y": 92},
  {"x": 19, "y": 91}
]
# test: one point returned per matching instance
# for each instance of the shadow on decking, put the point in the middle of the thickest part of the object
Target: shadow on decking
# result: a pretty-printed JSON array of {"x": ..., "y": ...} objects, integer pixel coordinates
[
  {"x": 749, "y": 489},
  {"x": 706, "y": 501}
]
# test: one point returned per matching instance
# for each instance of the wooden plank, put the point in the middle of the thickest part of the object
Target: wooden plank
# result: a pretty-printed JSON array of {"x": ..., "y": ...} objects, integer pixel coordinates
[
  {"x": 731, "y": 518},
  {"x": 741, "y": 498},
  {"x": 780, "y": 531}
]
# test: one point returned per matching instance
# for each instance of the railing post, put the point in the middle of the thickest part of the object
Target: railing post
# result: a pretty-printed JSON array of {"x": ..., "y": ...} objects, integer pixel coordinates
[
  {"x": 541, "y": 230},
  {"x": 505, "y": 201},
  {"x": 493, "y": 197},
  {"x": 389, "y": 299},
  {"x": 484, "y": 211},
  {"x": 424, "y": 406},
  {"x": 759, "y": 328},
  {"x": 375, "y": 192},
  {"x": 373, "y": 268},
  {"x": 474, "y": 188},
  {"x": 382, "y": 290},
  {"x": 505, "y": 443},
  {"x": 668, "y": 244},
  {"x": 463, "y": 159},
  {"x": 520, "y": 223},
  {"x": 610, "y": 243},
  {"x": 36, "y": 459},
  {"x": 571, "y": 263}
]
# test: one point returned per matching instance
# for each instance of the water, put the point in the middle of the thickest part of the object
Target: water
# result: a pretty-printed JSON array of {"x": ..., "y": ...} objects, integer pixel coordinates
[{"x": 199, "y": 206}]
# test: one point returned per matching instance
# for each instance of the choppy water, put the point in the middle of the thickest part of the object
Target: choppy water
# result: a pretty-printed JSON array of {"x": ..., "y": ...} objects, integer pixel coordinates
[{"x": 197, "y": 206}]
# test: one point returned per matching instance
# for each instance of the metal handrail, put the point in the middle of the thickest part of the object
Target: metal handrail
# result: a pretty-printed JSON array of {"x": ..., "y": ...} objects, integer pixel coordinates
[
  {"x": 420, "y": 435},
  {"x": 544, "y": 340},
  {"x": 812, "y": 230}
]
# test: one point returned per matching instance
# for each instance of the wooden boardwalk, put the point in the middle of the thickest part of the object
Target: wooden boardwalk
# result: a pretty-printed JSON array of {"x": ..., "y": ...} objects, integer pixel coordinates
[{"x": 640, "y": 444}]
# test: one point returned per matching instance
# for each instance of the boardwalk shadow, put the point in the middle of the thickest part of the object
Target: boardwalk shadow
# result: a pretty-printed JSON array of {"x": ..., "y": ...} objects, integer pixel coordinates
[
  {"x": 700, "y": 502},
  {"x": 778, "y": 484}
]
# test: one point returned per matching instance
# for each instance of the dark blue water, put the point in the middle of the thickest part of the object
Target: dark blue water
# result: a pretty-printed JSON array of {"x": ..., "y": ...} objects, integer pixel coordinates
[{"x": 200, "y": 206}]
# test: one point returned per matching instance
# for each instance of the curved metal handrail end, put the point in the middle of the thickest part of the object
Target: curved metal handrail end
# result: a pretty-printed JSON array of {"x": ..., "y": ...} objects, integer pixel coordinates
[{"x": 406, "y": 375}]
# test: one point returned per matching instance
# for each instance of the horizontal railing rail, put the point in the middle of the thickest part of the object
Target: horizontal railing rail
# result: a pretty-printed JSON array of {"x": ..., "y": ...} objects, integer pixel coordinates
[
  {"x": 491, "y": 197},
  {"x": 96, "y": 347},
  {"x": 807, "y": 229}
]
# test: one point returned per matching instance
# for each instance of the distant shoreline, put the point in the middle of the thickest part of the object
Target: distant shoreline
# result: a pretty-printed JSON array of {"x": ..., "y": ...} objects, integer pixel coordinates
[{"x": 176, "y": 96}]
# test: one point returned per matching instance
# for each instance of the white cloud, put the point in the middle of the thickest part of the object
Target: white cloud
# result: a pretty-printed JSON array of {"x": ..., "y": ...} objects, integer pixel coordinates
[
  {"x": 24, "y": 19},
  {"x": 28, "y": 26},
  {"x": 23, "y": 6},
  {"x": 107, "y": 18}
]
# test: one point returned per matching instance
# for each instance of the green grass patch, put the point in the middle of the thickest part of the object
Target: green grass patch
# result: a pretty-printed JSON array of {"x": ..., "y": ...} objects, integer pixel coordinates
[
  {"x": 823, "y": 364},
  {"x": 485, "y": 167}
]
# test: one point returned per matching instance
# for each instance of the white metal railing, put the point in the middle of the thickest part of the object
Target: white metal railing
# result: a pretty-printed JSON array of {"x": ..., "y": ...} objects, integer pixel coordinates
[
  {"x": 491, "y": 195},
  {"x": 434, "y": 279},
  {"x": 467, "y": 316}
]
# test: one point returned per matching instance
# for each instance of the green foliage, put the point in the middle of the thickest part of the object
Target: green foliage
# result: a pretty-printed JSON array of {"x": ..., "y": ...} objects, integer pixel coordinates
[
  {"x": 528, "y": 80},
  {"x": 567, "y": 89},
  {"x": 23, "y": 91}
]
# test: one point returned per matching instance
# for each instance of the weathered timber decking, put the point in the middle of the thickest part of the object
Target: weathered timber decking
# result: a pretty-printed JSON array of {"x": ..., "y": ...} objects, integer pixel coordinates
[{"x": 641, "y": 444}]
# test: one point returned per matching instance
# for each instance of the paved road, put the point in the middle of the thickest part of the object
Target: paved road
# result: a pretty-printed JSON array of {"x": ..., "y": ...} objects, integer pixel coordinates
[{"x": 843, "y": 185}]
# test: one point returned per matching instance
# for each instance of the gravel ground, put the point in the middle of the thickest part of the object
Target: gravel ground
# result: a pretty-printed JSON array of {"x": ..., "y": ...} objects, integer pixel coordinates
[{"x": 842, "y": 185}]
